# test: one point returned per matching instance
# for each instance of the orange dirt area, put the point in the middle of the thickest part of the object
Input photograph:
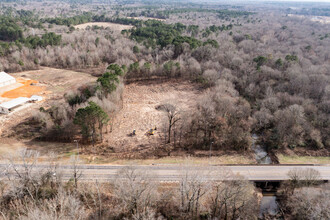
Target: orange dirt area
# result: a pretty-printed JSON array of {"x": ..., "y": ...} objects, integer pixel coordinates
[{"x": 28, "y": 89}]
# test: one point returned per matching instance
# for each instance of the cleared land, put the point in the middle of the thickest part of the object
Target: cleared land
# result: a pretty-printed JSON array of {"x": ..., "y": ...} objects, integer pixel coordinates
[
  {"x": 115, "y": 27},
  {"x": 139, "y": 112},
  {"x": 57, "y": 81}
]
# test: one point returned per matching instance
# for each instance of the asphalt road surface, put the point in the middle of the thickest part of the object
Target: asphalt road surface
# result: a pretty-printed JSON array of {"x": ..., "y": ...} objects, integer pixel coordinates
[{"x": 104, "y": 173}]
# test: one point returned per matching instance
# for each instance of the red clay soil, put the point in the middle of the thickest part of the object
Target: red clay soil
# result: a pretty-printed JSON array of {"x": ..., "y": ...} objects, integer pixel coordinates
[{"x": 28, "y": 89}]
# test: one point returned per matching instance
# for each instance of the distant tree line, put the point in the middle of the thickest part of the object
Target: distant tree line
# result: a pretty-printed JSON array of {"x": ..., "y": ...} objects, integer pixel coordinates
[
  {"x": 155, "y": 33},
  {"x": 164, "y": 14},
  {"x": 314, "y": 11},
  {"x": 12, "y": 34},
  {"x": 75, "y": 20},
  {"x": 9, "y": 29}
]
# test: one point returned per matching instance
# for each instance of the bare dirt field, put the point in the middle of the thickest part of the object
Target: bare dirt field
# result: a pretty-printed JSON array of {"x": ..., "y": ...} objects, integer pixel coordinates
[
  {"x": 115, "y": 27},
  {"x": 139, "y": 112},
  {"x": 56, "y": 81}
]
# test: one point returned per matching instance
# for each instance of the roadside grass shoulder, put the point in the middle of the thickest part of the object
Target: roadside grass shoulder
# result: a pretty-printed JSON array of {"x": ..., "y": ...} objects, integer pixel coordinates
[
  {"x": 219, "y": 160},
  {"x": 286, "y": 159}
]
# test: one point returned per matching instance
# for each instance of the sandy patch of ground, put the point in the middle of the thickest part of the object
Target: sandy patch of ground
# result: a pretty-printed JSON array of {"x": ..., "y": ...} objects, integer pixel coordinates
[{"x": 113, "y": 26}]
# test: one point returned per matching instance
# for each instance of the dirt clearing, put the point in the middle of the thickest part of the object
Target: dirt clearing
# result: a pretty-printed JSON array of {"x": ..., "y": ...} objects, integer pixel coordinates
[
  {"x": 56, "y": 81},
  {"x": 139, "y": 112},
  {"x": 115, "y": 27}
]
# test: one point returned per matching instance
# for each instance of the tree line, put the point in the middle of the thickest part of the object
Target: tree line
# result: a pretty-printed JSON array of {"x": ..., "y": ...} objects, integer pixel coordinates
[
  {"x": 164, "y": 14},
  {"x": 12, "y": 34}
]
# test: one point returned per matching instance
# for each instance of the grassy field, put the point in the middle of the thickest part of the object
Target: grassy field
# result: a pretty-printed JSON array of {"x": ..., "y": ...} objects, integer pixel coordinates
[
  {"x": 116, "y": 27},
  {"x": 285, "y": 159}
]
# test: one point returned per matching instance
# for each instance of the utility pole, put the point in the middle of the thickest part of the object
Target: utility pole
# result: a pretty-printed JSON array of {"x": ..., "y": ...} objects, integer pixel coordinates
[
  {"x": 211, "y": 149},
  {"x": 76, "y": 141}
]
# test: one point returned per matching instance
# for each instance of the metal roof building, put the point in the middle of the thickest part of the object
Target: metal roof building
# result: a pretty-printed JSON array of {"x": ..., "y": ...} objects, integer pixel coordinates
[
  {"x": 7, "y": 107},
  {"x": 36, "y": 98},
  {"x": 6, "y": 79}
]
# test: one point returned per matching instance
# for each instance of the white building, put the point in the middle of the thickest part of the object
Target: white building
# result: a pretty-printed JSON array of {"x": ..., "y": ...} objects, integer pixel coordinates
[
  {"x": 6, "y": 79},
  {"x": 7, "y": 107},
  {"x": 35, "y": 98}
]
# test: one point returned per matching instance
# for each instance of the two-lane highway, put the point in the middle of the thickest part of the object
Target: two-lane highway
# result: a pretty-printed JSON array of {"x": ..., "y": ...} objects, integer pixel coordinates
[{"x": 174, "y": 172}]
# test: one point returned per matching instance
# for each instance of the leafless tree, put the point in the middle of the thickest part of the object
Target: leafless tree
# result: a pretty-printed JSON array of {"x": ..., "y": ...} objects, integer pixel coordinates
[
  {"x": 310, "y": 203},
  {"x": 76, "y": 172},
  {"x": 232, "y": 197},
  {"x": 303, "y": 177},
  {"x": 136, "y": 191},
  {"x": 193, "y": 187},
  {"x": 173, "y": 116},
  {"x": 63, "y": 206}
]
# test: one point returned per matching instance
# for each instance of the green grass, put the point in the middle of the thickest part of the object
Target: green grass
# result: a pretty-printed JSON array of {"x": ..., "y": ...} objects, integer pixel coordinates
[
  {"x": 285, "y": 159},
  {"x": 69, "y": 154}
]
